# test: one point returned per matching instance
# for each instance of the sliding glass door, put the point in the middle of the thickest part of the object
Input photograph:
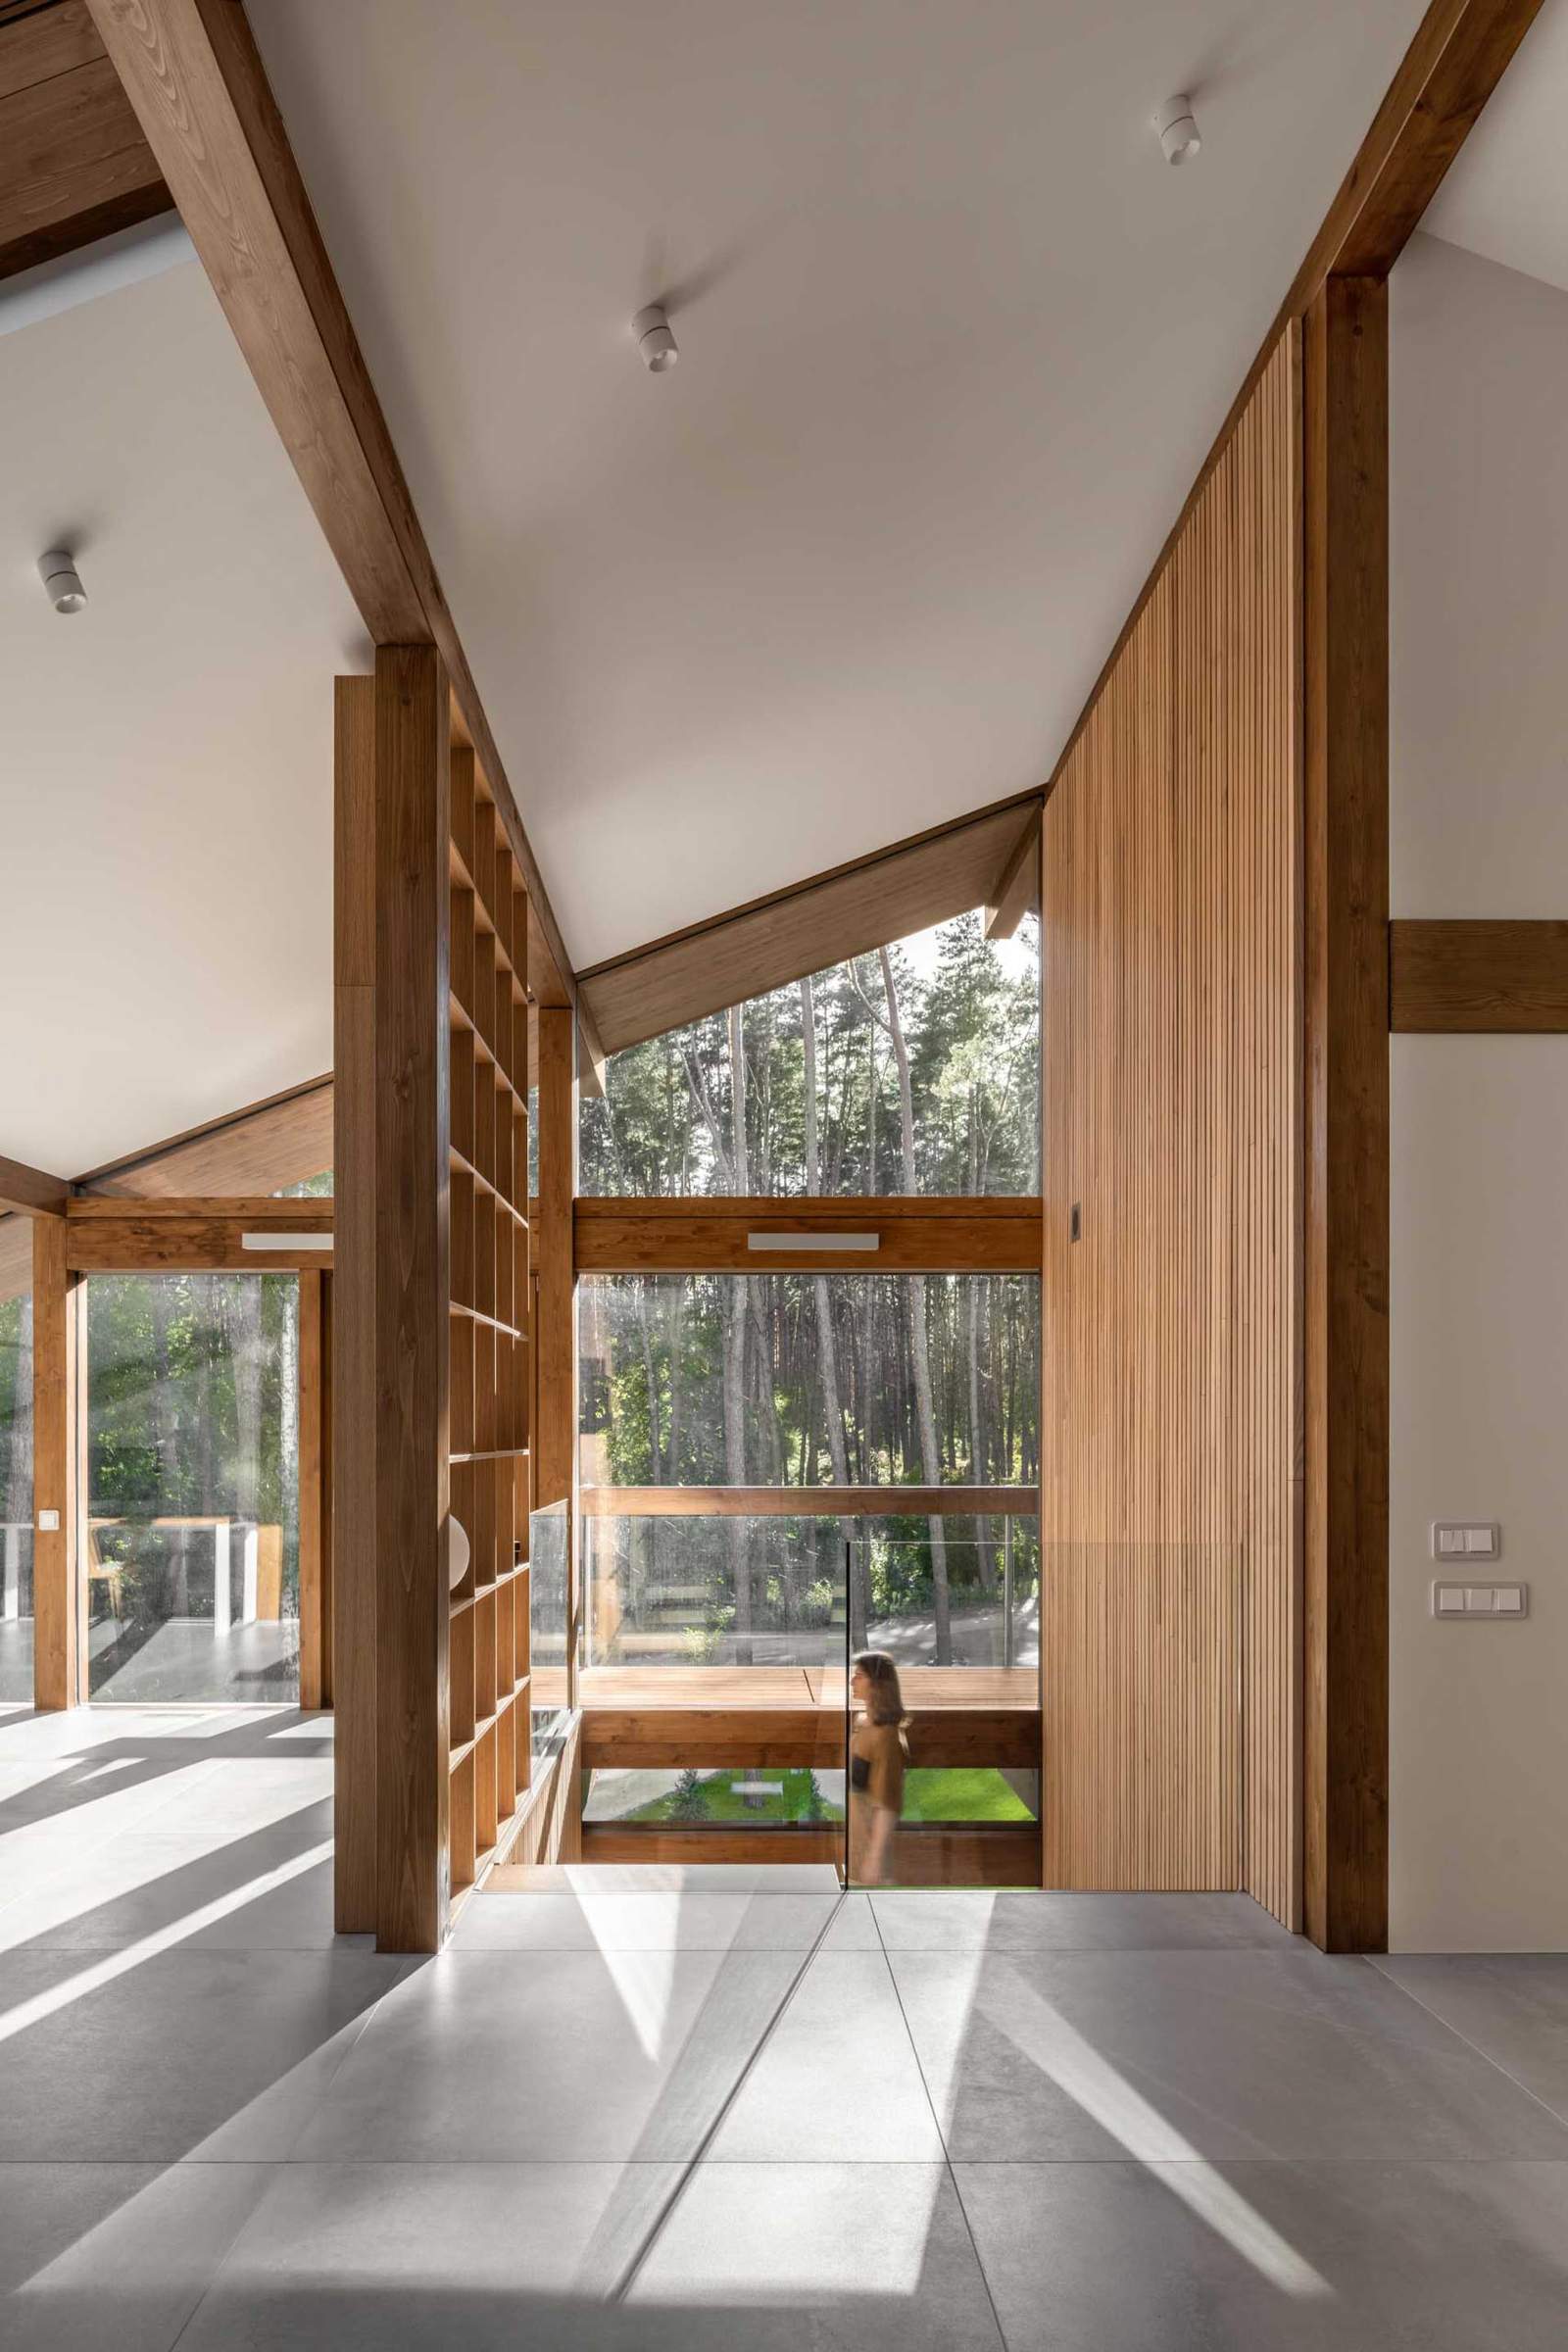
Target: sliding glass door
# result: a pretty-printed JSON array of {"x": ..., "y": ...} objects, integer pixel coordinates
[{"x": 191, "y": 1531}]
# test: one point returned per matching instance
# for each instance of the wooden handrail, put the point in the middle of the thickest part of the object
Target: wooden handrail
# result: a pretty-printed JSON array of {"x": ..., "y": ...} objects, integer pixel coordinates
[{"x": 807, "y": 1502}]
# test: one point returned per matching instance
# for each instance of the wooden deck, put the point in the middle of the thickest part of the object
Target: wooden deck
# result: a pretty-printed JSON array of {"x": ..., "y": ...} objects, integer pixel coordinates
[{"x": 751, "y": 1689}]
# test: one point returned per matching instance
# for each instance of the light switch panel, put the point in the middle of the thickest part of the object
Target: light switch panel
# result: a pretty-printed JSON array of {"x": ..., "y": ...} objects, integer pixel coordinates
[
  {"x": 1480, "y": 1600},
  {"x": 48, "y": 1523},
  {"x": 1466, "y": 1540}
]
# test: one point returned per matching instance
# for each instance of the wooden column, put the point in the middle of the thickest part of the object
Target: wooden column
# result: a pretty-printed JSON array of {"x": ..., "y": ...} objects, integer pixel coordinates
[
  {"x": 354, "y": 1392},
  {"x": 555, "y": 1435},
  {"x": 315, "y": 1490},
  {"x": 413, "y": 1106},
  {"x": 1345, "y": 1745},
  {"x": 59, "y": 1650}
]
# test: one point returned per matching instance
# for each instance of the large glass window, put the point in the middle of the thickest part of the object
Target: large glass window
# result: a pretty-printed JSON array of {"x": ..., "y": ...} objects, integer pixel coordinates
[
  {"x": 914, "y": 1070},
  {"x": 807, "y": 1380},
  {"x": 192, "y": 1525},
  {"x": 16, "y": 1501}
]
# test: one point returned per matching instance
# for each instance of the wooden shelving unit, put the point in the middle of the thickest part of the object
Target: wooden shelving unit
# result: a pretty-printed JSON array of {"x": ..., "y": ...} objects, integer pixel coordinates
[{"x": 490, "y": 1374}]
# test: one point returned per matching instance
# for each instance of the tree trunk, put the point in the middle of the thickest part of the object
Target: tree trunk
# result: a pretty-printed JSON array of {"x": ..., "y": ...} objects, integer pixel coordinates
[
  {"x": 858, "y": 1596},
  {"x": 978, "y": 1468},
  {"x": 736, "y": 1325},
  {"x": 920, "y": 1345}
]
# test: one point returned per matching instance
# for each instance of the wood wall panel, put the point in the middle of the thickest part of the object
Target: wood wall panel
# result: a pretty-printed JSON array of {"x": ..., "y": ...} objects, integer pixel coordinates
[
  {"x": 1346, "y": 1251},
  {"x": 1171, "y": 1449},
  {"x": 351, "y": 1151}
]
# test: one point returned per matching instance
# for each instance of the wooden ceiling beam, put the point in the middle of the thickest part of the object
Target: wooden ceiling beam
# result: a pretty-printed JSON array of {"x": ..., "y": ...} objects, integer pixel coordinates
[
  {"x": 1017, "y": 888},
  {"x": 715, "y": 1235},
  {"x": 75, "y": 165},
  {"x": 30, "y": 1191},
  {"x": 1479, "y": 977},
  {"x": 849, "y": 910},
  {"x": 193, "y": 74}
]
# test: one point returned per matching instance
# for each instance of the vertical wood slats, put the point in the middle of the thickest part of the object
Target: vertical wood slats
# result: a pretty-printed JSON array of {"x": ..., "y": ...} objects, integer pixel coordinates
[{"x": 1171, "y": 1445}]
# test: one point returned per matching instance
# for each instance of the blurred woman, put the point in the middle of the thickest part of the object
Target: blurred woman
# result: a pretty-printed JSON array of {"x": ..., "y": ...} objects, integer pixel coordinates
[{"x": 878, "y": 1754}]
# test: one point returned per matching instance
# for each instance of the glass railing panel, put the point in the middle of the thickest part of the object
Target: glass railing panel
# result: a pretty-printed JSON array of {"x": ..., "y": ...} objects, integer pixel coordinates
[
  {"x": 944, "y": 1702},
  {"x": 715, "y": 1596},
  {"x": 191, "y": 1606},
  {"x": 15, "y": 1612},
  {"x": 549, "y": 1577}
]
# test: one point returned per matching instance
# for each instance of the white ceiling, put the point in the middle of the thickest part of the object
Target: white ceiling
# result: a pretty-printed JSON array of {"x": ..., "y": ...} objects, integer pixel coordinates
[
  {"x": 1506, "y": 194},
  {"x": 166, "y": 763},
  {"x": 954, "y": 343}
]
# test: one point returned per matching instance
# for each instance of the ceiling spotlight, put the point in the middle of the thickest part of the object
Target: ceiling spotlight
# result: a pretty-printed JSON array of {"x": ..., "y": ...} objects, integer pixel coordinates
[
  {"x": 1178, "y": 129},
  {"x": 653, "y": 339},
  {"x": 62, "y": 580}
]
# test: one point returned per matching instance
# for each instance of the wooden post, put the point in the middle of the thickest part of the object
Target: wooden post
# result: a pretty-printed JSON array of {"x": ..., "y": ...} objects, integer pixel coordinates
[
  {"x": 316, "y": 1494},
  {"x": 59, "y": 1649},
  {"x": 554, "y": 1434},
  {"x": 1345, "y": 1743},
  {"x": 412, "y": 1111},
  {"x": 354, "y": 1392}
]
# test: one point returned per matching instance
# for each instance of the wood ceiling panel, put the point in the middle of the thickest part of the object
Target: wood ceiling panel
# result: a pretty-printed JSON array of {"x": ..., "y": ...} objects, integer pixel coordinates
[{"x": 780, "y": 939}]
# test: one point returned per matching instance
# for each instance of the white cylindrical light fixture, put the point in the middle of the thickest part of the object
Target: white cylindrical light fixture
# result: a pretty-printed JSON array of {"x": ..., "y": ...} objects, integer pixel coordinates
[
  {"x": 62, "y": 580},
  {"x": 657, "y": 345},
  {"x": 1177, "y": 127}
]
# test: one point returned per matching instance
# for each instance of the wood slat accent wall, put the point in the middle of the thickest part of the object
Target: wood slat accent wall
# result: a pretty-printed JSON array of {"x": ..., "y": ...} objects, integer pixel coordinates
[{"x": 1172, "y": 1120}]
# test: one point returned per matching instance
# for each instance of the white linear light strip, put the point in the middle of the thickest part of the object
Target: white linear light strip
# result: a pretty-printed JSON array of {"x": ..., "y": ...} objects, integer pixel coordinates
[
  {"x": 285, "y": 1240},
  {"x": 814, "y": 1241}
]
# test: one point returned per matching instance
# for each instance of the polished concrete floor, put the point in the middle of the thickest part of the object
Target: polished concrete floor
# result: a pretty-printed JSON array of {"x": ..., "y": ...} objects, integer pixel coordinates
[{"x": 714, "y": 2108}]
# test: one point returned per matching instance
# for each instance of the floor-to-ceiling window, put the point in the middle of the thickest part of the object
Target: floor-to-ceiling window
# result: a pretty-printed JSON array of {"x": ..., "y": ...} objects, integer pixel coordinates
[
  {"x": 16, "y": 1499},
  {"x": 719, "y": 1411},
  {"x": 191, "y": 1528}
]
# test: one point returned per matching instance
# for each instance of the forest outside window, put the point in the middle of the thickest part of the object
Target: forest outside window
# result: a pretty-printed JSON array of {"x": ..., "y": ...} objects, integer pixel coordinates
[
  {"x": 191, "y": 1534},
  {"x": 801, "y": 1384},
  {"x": 16, "y": 1501},
  {"x": 913, "y": 1070}
]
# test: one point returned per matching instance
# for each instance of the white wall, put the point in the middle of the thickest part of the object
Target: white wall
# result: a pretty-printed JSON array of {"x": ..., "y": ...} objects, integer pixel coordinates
[{"x": 1479, "y": 818}]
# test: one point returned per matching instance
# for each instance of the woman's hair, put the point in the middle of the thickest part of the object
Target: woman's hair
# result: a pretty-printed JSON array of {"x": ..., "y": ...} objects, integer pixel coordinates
[{"x": 887, "y": 1699}]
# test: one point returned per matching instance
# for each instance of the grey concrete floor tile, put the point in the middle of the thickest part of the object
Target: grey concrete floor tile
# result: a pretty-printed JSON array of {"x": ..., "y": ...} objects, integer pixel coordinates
[
  {"x": 241, "y": 1892},
  {"x": 509, "y": 2056},
  {"x": 1274, "y": 2257},
  {"x": 218, "y": 2054},
  {"x": 1226, "y": 2054},
  {"x": 1512, "y": 2005},
  {"x": 838, "y": 2080},
  {"x": 873, "y": 2256},
  {"x": 404, "y": 2257},
  {"x": 949, "y": 1918},
  {"x": 113, "y": 2257},
  {"x": 676, "y": 1919}
]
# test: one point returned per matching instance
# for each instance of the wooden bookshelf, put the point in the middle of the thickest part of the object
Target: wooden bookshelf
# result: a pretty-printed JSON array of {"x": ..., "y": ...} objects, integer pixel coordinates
[{"x": 490, "y": 1379}]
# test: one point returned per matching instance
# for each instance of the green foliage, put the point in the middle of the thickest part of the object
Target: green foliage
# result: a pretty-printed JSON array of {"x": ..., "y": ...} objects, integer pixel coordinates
[
  {"x": 688, "y": 1801},
  {"x": 970, "y": 1007}
]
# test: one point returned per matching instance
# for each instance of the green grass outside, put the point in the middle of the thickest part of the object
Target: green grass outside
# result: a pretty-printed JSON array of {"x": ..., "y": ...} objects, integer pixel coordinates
[{"x": 973, "y": 1794}]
